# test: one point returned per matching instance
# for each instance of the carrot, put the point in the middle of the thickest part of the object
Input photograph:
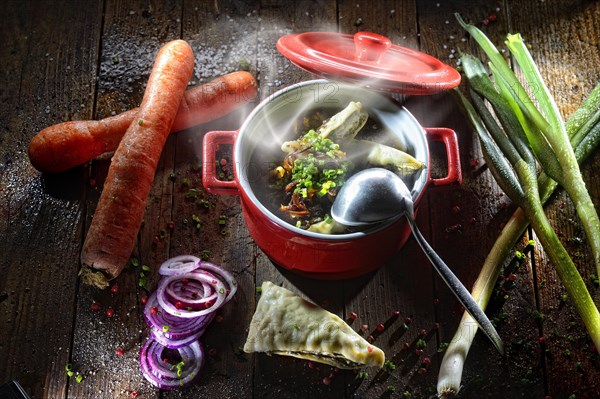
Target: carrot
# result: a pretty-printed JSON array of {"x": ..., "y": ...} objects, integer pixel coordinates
[
  {"x": 118, "y": 216},
  {"x": 66, "y": 145}
]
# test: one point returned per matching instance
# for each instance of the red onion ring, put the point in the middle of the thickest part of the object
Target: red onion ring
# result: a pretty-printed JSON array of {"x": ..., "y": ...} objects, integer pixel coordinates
[
  {"x": 226, "y": 277},
  {"x": 178, "y": 313},
  {"x": 170, "y": 307},
  {"x": 175, "y": 343},
  {"x": 178, "y": 328},
  {"x": 179, "y": 264},
  {"x": 188, "y": 297},
  {"x": 164, "y": 375}
]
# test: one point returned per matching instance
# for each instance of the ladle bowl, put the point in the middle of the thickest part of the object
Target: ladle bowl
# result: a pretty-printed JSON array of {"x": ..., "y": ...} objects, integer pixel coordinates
[{"x": 377, "y": 195}]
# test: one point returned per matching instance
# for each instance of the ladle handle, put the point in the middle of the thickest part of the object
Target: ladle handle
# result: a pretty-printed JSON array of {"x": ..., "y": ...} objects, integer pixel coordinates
[{"x": 455, "y": 284}]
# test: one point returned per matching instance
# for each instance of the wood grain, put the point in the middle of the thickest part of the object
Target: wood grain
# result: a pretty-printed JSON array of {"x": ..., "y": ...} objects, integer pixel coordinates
[{"x": 41, "y": 217}]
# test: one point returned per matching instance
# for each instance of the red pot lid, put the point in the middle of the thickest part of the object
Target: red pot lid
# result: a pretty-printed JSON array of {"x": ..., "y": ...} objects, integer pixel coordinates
[{"x": 370, "y": 60}]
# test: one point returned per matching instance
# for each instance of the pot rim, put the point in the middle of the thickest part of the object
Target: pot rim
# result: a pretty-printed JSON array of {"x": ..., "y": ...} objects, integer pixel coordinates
[{"x": 247, "y": 192}]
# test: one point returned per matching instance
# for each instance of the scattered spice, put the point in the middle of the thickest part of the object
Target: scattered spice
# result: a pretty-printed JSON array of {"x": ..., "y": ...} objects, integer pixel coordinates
[
  {"x": 142, "y": 280},
  {"x": 205, "y": 254},
  {"x": 110, "y": 312},
  {"x": 362, "y": 375},
  {"x": 389, "y": 365},
  {"x": 119, "y": 352}
]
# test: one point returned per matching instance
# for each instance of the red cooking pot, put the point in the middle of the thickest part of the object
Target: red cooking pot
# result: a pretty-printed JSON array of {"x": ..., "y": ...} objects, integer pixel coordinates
[{"x": 257, "y": 144}]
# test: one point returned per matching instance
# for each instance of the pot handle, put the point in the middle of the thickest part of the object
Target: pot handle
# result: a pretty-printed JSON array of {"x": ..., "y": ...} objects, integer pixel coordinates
[
  {"x": 210, "y": 144},
  {"x": 448, "y": 137}
]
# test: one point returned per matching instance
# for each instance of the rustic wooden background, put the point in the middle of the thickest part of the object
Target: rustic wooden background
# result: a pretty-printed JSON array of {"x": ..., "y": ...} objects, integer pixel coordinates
[{"x": 70, "y": 59}]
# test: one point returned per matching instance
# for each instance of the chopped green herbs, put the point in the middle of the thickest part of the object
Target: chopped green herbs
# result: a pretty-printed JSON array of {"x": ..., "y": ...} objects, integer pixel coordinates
[
  {"x": 315, "y": 175},
  {"x": 362, "y": 374},
  {"x": 389, "y": 365}
]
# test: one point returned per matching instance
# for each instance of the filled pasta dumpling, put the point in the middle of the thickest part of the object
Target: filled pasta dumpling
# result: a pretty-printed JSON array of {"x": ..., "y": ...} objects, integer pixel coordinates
[{"x": 286, "y": 324}]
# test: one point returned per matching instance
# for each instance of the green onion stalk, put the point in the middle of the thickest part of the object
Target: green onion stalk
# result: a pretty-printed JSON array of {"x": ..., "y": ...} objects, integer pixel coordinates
[
  {"x": 547, "y": 134},
  {"x": 513, "y": 171}
]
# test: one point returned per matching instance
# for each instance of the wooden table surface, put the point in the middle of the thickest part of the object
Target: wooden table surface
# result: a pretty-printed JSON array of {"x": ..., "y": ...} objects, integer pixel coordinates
[{"x": 73, "y": 60}]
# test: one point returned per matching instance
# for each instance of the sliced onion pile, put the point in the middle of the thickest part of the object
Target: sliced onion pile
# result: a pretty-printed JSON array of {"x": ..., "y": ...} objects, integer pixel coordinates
[{"x": 178, "y": 313}]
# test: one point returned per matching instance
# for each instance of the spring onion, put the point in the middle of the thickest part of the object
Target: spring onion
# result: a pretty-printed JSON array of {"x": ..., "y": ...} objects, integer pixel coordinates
[
  {"x": 550, "y": 141},
  {"x": 450, "y": 375},
  {"x": 583, "y": 131}
]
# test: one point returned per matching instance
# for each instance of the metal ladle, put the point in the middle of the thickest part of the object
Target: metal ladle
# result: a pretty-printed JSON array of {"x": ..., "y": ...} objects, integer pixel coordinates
[{"x": 377, "y": 195}]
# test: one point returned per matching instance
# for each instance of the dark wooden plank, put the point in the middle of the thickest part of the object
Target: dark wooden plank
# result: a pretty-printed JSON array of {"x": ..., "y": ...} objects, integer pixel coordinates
[
  {"x": 466, "y": 220},
  {"x": 46, "y": 79},
  {"x": 563, "y": 39},
  {"x": 404, "y": 283},
  {"x": 277, "y": 376},
  {"x": 223, "y": 36},
  {"x": 132, "y": 35}
]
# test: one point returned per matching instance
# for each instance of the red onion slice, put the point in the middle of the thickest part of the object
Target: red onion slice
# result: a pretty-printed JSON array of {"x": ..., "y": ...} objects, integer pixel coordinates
[
  {"x": 191, "y": 295},
  {"x": 226, "y": 277},
  {"x": 170, "y": 307},
  {"x": 175, "y": 343},
  {"x": 166, "y": 375},
  {"x": 177, "y": 328},
  {"x": 179, "y": 264},
  {"x": 178, "y": 313}
]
